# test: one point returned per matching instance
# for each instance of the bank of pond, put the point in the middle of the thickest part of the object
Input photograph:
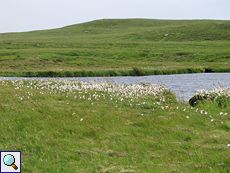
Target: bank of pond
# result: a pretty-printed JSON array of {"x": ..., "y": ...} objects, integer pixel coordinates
[{"x": 135, "y": 71}]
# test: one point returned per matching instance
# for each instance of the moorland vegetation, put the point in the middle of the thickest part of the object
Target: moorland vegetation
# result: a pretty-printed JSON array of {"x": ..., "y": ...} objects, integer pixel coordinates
[
  {"x": 116, "y": 47},
  {"x": 74, "y": 126}
]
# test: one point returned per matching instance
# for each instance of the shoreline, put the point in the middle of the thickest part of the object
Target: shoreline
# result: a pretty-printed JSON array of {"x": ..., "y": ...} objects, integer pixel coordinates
[{"x": 100, "y": 73}]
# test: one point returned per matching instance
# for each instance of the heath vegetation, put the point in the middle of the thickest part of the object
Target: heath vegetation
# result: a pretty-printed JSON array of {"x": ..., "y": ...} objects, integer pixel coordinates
[
  {"x": 118, "y": 45},
  {"x": 73, "y": 126}
]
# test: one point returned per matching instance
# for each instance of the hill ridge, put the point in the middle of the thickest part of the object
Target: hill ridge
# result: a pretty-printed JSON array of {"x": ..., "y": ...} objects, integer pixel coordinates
[{"x": 133, "y": 30}]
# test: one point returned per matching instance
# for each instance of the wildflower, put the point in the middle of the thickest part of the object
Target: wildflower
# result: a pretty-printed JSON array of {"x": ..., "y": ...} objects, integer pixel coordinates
[
  {"x": 187, "y": 116},
  {"x": 225, "y": 114},
  {"x": 184, "y": 110},
  {"x": 81, "y": 119},
  {"x": 212, "y": 120},
  {"x": 202, "y": 111},
  {"x": 205, "y": 112},
  {"x": 221, "y": 113},
  {"x": 228, "y": 145},
  {"x": 177, "y": 107},
  {"x": 142, "y": 114}
]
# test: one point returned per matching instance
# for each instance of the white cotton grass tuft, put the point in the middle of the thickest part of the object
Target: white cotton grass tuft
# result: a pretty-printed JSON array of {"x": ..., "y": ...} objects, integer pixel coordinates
[
  {"x": 102, "y": 90},
  {"x": 214, "y": 93}
]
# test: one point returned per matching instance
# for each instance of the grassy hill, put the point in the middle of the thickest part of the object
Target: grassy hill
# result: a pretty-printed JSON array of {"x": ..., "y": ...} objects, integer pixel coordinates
[
  {"x": 73, "y": 126},
  {"x": 115, "y": 44}
]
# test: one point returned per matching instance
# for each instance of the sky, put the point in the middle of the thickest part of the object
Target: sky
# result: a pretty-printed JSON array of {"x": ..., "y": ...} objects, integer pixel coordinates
[{"x": 29, "y": 15}]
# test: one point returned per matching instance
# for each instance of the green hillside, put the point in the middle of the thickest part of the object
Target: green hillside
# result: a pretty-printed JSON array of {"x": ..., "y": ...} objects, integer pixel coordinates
[{"x": 117, "y": 44}]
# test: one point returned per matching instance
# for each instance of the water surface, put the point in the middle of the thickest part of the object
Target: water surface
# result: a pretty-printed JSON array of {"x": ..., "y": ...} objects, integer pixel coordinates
[{"x": 184, "y": 85}]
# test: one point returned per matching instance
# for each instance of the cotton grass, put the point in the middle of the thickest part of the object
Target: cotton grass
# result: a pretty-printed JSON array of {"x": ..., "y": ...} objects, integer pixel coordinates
[{"x": 79, "y": 89}]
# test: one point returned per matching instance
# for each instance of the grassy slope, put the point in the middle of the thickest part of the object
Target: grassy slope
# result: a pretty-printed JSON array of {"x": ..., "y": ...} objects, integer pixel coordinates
[
  {"x": 119, "y": 44},
  {"x": 113, "y": 136}
]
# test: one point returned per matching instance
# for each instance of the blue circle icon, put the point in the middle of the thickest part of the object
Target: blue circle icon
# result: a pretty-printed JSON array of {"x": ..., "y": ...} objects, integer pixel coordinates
[{"x": 9, "y": 159}]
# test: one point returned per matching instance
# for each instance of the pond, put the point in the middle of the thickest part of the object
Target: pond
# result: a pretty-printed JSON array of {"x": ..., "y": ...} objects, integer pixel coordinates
[{"x": 184, "y": 85}]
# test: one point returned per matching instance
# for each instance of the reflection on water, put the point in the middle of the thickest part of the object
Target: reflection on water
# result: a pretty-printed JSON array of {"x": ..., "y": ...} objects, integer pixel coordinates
[{"x": 184, "y": 85}]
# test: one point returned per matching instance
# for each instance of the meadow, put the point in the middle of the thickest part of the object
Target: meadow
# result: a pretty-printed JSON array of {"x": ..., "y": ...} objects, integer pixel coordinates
[
  {"x": 102, "y": 127},
  {"x": 116, "y": 47},
  {"x": 74, "y": 126}
]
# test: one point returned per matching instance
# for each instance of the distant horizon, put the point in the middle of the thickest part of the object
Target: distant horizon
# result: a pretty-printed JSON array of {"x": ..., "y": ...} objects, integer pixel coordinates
[{"x": 103, "y": 19}]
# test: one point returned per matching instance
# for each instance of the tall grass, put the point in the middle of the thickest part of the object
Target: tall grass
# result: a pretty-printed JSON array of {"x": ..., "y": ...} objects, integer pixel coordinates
[
  {"x": 73, "y": 126},
  {"x": 93, "y": 73}
]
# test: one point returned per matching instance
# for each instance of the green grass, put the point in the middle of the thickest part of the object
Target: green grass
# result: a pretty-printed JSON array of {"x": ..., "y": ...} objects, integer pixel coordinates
[
  {"x": 59, "y": 128},
  {"x": 119, "y": 44}
]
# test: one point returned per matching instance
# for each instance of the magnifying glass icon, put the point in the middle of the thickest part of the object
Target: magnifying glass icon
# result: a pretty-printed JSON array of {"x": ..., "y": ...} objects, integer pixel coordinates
[{"x": 9, "y": 160}]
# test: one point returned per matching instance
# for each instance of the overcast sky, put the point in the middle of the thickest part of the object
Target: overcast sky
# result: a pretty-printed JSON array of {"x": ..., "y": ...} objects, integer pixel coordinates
[{"x": 28, "y": 15}]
